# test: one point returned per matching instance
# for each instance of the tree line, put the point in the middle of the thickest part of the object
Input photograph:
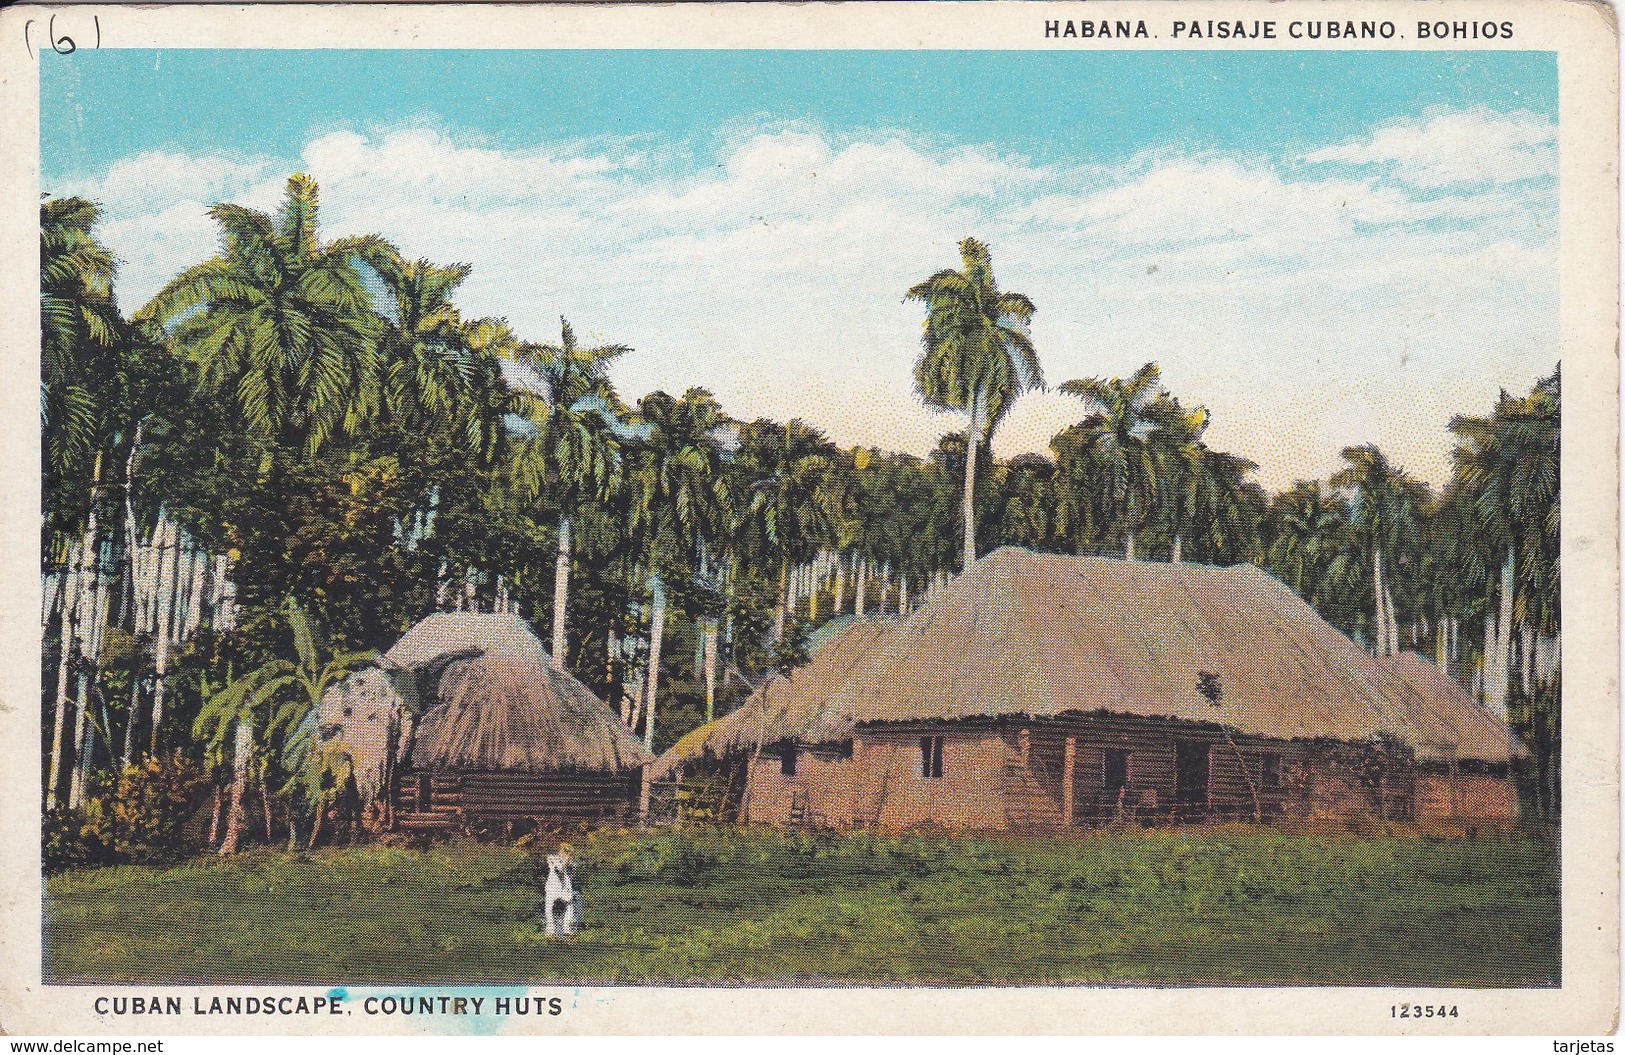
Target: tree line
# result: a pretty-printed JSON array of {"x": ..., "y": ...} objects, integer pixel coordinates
[{"x": 298, "y": 448}]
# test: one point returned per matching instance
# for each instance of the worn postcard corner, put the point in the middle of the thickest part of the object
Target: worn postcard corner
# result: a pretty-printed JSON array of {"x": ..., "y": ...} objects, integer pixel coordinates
[{"x": 810, "y": 518}]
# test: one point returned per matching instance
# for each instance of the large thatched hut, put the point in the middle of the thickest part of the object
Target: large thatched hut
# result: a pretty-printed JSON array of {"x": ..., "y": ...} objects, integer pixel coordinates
[
  {"x": 1042, "y": 691},
  {"x": 491, "y": 733}
]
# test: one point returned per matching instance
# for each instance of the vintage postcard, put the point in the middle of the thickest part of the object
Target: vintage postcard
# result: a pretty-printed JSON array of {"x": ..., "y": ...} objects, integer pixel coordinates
[{"x": 997, "y": 517}]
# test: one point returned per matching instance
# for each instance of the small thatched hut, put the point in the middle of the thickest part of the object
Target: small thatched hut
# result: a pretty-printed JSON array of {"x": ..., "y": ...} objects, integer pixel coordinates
[
  {"x": 1043, "y": 691},
  {"x": 494, "y": 734}
]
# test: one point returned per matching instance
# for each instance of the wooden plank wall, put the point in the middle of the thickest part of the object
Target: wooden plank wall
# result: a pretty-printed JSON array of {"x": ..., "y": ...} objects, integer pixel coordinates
[
  {"x": 1048, "y": 775},
  {"x": 546, "y": 798},
  {"x": 1152, "y": 770},
  {"x": 1316, "y": 780}
]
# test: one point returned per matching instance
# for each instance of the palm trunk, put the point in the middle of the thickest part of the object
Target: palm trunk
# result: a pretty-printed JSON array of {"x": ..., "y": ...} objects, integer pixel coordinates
[
  {"x": 861, "y": 586},
  {"x": 215, "y": 805},
  {"x": 82, "y": 745},
  {"x": 1503, "y": 633},
  {"x": 657, "y": 630},
  {"x": 784, "y": 600},
  {"x": 132, "y": 549},
  {"x": 561, "y": 592},
  {"x": 840, "y": 587},
  {"x": 73, "y": 620},
  {"x": 1548, "y": 653},
  {"x": 1526, "y": 655},
  {"x": 169, "y": 554},
  {"x": 1393, "y": 622},
  {"x": 265, "y": 801},
  {"x": 1441, "y": 642},
  {"x": 612, "y": 655},
  {"x": 1488, "y": 665},
  {"x": 135, "y": 710},
  {"x": 85, "y": 740},
  {"x": 632, "y": 702},
  {"x": 53, "y": 783},
  {"x": 711, "y": 632},
  {"x": 1128, "y": 547},
  {"x": 161, "y": 668},
  {"x": 728, "y": 604},
  {"x": 973, "y": 440},
  {"x": 239, "y": 785},
  {"x": 1379, "y": 602},
  {"x": 1178, "y": 550}
]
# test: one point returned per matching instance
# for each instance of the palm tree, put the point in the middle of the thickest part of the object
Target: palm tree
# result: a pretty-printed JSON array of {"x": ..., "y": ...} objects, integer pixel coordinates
[
  {"x": 1029, "y": 512},
  {"x": 280, "y": 323},
  {"x": 795, "y": 499},
  {"x": 1229, "y": 510},
  {"x": 100, "y": 377},
  {"x": 1307, "y": 525},
  {"x": 79, "y": 324},
  {"x": 430, "y": 369},
  {"x": 679, "y": 499},
  {"x": 1109, "y": 452},
  {"x": 976, "y": 356},
  {"x": 1454, "y": 570},
  {"x": 287, "y": 690},
  {"x": 1187, "y": 472},
  {"x": 1385, "y": 509},
  {"x": 575, "y": 455},
  {"x": 1508, "y": 463}
]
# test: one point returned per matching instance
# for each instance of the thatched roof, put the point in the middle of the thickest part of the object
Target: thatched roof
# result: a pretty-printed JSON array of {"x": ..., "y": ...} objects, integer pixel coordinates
[
  {"x": 1463, "y": 727},
  {"x": 796, "y": 706},
  {"x": 501, "y": 705},
  {"x": 444, "y": 636},
  {"x": 1038, "y": 635}
]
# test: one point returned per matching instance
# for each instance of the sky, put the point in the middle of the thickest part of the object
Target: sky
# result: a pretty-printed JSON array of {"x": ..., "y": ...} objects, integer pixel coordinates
[{"x": 1322, "y": 248}]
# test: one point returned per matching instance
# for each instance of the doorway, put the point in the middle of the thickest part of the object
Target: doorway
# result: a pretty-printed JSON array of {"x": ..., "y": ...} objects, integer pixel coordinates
[{"x": 1190, "y": 776}]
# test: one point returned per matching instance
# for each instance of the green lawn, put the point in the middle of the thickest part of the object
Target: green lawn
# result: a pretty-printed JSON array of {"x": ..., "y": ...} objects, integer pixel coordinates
[{"x": 1160, "y": 907}]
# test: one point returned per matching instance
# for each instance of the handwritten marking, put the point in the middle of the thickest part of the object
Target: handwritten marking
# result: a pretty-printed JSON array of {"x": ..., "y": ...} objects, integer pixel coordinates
[{"x": 61, "y": 44}]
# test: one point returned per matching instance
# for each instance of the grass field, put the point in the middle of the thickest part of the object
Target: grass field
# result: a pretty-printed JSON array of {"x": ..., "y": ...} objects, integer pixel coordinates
[{"x": 1223, "y": 907}]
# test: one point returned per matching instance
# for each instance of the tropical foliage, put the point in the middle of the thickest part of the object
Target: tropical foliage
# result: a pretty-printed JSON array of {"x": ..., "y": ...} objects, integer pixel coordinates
[{"x": 301, "y": 447}]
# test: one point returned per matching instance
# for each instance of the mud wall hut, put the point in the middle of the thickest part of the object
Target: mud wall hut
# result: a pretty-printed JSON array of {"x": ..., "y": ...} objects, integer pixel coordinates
[
  {"x": 1044, "y": 691},
  {"x": 359, "y": 727}
]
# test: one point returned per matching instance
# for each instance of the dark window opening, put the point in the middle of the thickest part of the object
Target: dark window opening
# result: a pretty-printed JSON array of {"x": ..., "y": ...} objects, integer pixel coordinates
[
  {"x": 1269, "y": 772},
  {"x": 425, "y": 793},
  {"x": 1115, "y": 772},
  {"x": 931, "y": 757},
  {"x": 787, "y": 759},
  {"x": 1190, "y": 773}
]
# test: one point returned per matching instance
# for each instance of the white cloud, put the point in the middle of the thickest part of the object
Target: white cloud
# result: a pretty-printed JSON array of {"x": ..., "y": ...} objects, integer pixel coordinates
[
  {"x": 1455, "y": 147},
  {"x": 1308, "y": 308}
]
